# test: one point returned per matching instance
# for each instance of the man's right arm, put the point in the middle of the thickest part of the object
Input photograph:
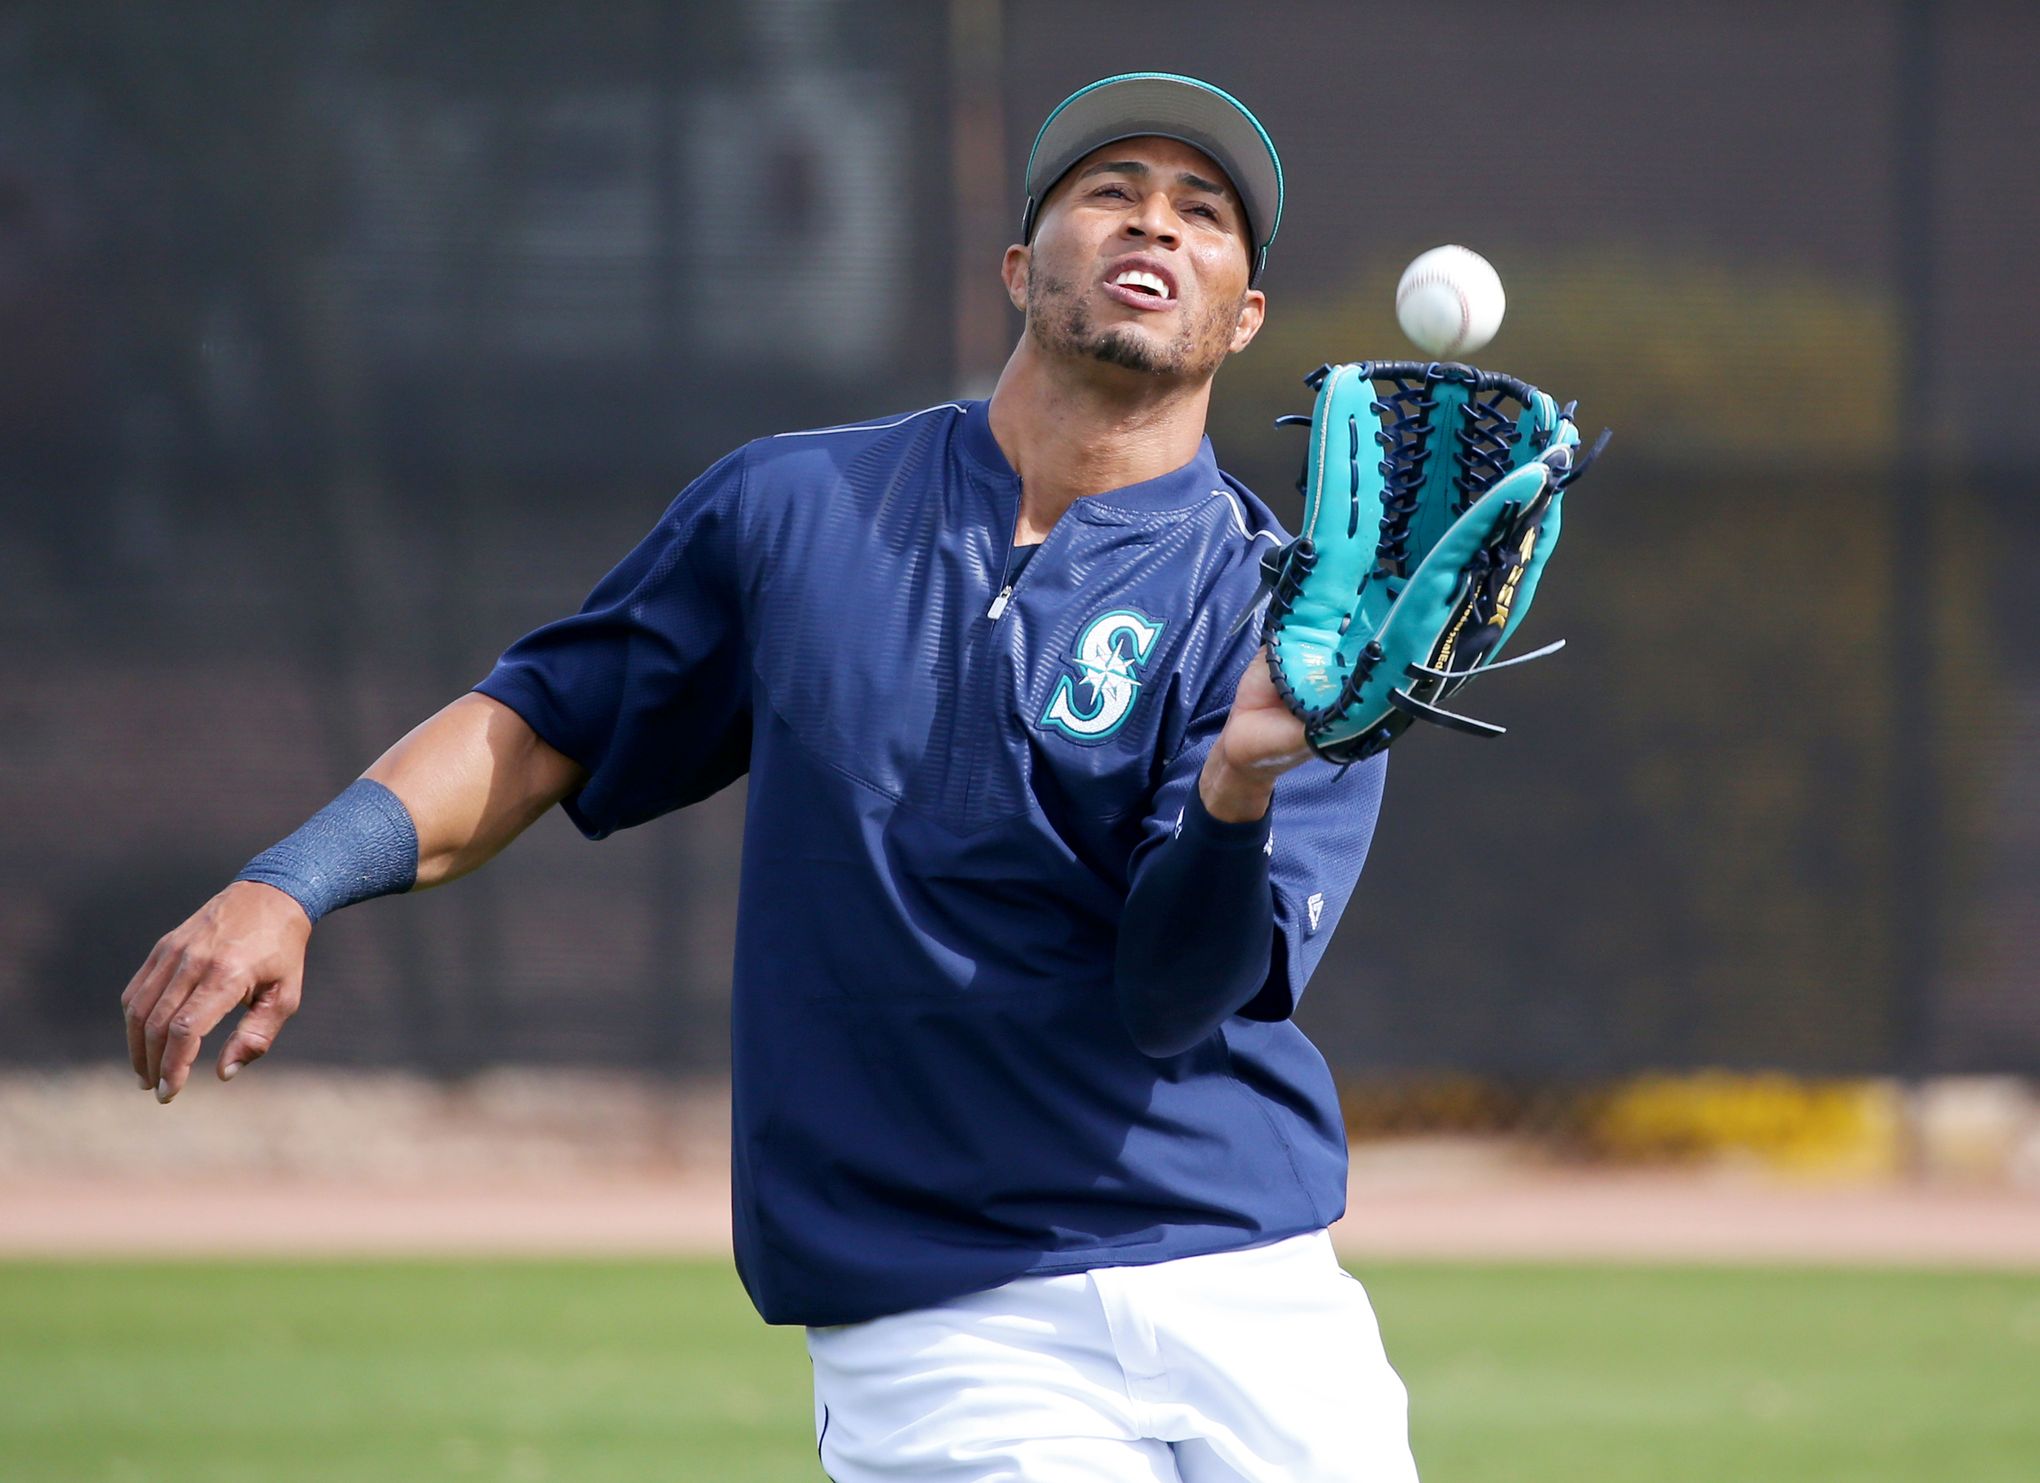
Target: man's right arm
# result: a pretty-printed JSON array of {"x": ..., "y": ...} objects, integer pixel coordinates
[
  {"x": 474, "y": 777},
  {"x": 471, "y": 778}
]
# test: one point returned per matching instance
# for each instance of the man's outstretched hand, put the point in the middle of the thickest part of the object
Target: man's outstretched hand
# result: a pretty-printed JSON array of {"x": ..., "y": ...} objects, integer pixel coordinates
[
  {"x": 472, "y": 777},
  {"x": 245, "y": 946},
  {"x": 1261, "y": 741}
]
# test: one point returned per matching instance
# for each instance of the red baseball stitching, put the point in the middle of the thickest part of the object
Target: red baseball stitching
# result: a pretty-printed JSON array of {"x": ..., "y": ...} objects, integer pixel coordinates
[{"x": 1465, "y": 308}]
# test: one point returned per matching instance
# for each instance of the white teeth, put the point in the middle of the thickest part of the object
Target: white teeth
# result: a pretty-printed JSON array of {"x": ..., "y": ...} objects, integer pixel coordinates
[{"x": 1136, "y": 278}]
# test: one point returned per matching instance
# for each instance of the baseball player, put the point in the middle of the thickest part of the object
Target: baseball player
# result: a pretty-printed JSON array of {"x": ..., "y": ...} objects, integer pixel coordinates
[{"x": 1032, "y": 878}]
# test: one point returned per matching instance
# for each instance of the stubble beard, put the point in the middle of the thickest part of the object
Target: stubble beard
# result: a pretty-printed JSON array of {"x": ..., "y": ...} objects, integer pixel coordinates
[{"x": 1060, "y": 323}]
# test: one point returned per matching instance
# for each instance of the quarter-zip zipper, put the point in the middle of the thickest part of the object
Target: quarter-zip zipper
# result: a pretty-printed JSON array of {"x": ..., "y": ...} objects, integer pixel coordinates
[
  {"x": 999, "y": 604},
  {"x": 981, "y": 694},
  {"x": 998, "y": 608}
]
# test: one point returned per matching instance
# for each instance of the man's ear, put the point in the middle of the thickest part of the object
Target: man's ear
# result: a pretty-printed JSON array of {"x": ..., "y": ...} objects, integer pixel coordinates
[
  {"x": 1253, "y": 309},
  {"x": 1014, "y": 270}
]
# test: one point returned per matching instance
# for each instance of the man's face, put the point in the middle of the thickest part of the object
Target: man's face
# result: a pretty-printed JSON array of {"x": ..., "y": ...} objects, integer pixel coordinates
[{"x": 1140, "y": 260}]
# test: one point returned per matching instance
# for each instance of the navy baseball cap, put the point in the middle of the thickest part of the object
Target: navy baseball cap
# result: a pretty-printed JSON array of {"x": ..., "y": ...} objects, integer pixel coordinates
[{"x": 1174, "y": 107}]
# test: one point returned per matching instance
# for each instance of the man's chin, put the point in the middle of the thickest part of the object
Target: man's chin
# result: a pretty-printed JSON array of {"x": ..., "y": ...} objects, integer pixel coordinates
[{"x": 1130, "y": 350}]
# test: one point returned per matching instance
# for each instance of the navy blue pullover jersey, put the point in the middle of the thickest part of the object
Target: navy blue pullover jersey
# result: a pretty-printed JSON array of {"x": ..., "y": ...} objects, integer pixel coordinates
[{"x": 955, "y": 772}]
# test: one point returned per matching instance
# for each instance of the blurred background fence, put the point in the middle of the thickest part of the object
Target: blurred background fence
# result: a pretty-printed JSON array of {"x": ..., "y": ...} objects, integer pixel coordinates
[{"x": 342, "y": 341}]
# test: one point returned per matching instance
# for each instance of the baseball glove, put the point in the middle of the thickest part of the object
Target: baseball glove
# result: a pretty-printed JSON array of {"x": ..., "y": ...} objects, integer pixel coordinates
[{"x": 1431, "y": 503}]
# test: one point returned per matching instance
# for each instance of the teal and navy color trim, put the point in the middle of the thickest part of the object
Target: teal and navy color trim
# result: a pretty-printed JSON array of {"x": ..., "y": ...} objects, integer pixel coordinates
[
  {"x": 1174, "y": 107},
  {"x": 361, "y": 845},
  {"x": 935, "y": 1086}
]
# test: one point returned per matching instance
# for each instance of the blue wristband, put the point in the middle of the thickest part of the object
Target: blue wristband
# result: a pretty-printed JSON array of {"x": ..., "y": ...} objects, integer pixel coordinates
[{"x": 361, "y": 845}]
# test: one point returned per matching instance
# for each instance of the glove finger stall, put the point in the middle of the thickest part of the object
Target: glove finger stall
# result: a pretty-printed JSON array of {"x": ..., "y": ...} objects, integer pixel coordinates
[{"x": 1415, "y": 567}]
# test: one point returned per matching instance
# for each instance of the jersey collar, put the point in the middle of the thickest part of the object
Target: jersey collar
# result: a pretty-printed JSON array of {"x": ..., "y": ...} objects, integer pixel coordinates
[{"x": 1180, "y": 489}]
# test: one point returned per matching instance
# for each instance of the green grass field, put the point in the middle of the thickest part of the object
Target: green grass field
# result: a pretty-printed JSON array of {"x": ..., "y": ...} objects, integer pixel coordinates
[{"x": 590, "y": 1371}]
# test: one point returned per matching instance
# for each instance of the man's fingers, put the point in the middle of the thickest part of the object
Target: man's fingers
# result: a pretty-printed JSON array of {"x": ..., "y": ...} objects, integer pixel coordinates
[
  {"x": 181, "y": 1021},
  {"x": 247, "y": 938},
  {"x": 181, "y": 971},
  {"x": 139, "y": 997},
  {"x": 259, "y": 1027}
]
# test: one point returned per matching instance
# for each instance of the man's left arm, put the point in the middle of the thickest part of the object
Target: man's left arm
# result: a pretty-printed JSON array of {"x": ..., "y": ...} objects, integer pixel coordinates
[{"x": 1218, "y": 920}]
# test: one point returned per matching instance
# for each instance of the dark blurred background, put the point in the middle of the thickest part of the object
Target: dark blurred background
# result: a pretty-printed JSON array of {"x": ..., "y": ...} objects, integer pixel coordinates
[{"x": 342, "y": 342}]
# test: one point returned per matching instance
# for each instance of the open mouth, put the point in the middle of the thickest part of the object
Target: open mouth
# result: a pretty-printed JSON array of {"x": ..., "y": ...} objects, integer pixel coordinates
[{"x": 1142, "y": 287}]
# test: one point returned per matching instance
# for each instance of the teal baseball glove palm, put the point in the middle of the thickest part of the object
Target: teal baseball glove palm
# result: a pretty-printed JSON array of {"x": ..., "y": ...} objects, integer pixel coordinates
[{"x": 1431, "y": 503}]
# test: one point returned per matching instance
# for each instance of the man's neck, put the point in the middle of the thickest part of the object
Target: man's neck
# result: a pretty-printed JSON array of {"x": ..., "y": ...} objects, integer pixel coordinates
[{"x": 1076, "y": 430}]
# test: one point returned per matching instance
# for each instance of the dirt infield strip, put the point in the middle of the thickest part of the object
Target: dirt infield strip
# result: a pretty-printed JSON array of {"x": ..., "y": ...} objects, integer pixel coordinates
[
  {"x": 533, "y": 1162},
  {"x": 1513, "y": 1216}
]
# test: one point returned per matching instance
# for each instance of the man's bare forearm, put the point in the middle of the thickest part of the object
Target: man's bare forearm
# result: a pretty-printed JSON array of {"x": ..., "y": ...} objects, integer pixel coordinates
[
  {"x": 474, "y": 777},
  {"x": 466, "y": 782}
]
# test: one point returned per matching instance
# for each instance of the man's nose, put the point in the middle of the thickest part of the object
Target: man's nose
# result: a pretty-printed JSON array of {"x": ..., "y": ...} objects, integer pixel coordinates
[{"x": 1156, "y": 219}]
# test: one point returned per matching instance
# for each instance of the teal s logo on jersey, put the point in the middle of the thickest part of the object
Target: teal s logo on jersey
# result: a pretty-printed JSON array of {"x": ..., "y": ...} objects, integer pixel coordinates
[{"x": 1094, "y": 703}]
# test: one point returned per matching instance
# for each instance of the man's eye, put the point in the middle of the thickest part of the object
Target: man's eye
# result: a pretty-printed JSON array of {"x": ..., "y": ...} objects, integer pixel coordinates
[
  {"x": 1208, "y": 212},
  {"x": 1116, "y": 190}
]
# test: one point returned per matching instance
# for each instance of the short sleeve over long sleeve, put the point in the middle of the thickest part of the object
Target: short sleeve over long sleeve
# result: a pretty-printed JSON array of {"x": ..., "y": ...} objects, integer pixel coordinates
[{"x": 648, "y": 685}]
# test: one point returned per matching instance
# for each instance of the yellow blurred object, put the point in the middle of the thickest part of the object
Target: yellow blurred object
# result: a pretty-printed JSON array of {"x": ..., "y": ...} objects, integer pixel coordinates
[
  {"x": 1833, "y": 1128},
  {"x": 1848, "y": 1128}
]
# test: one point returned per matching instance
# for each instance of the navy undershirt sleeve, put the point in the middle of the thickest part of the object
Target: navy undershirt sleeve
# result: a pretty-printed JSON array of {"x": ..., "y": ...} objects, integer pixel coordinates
[{"x": 1198, "y": 930}]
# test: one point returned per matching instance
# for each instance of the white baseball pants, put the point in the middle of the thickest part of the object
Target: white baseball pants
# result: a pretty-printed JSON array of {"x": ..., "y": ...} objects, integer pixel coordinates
[{"x": 1256, "y": 1366}]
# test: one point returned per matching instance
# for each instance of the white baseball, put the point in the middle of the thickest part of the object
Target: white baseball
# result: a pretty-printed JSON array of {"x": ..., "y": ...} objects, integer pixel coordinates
[{"x": 1449, "y": 302}]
